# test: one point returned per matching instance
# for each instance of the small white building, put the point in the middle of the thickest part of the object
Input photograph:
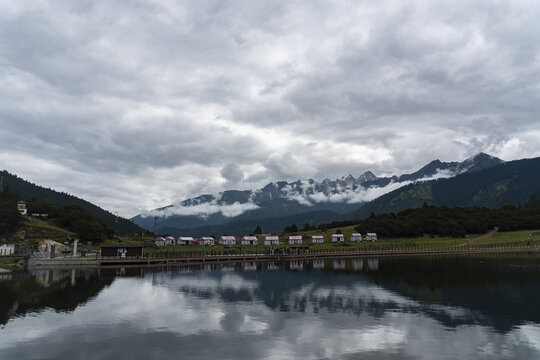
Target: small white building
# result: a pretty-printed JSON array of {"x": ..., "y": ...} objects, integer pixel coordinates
[
  {"x": 336, "y": 238},
  {"x": 227, "y": 240},
  {"x": 317, "y": 239},
  {"x": 160, "y": 241},
  {"x": 207, "y": 241},
  {"x": 169, "y": 240},
  {"x": 21, "y": 207},
  {"x": 295, "y": 240},
  {"x": 271, "y": 240},
  {"x": 185, "y": 240},
  {"x": 7, "y": 249},
  {"x": 356, "y": 237},
  {"x": 250, "y": 240},
  {"x": 371, "y": 237}
]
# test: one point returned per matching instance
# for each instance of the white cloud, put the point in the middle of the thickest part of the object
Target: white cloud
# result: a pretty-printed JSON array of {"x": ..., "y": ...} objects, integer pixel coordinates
[
  {"x": 309, "y": 195},
  {"x": 204, "y": 209},
  {"x": 153, "y": 105}
]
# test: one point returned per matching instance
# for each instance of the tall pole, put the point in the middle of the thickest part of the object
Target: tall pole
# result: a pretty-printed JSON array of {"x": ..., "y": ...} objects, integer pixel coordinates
[{"x": 155, "y": 225}]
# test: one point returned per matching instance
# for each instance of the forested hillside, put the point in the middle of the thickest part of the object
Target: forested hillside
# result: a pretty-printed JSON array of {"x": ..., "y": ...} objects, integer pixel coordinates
[
  {"x": 455, "y": 222},
  {"x": 509, "y": 183},
  {"x": 28, "y": 191}
]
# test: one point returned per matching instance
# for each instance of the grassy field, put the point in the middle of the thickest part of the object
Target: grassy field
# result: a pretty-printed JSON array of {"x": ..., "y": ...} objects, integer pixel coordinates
[
  {"x": 9, "y": 263},
  {"x": 39, "y": 229},
  {"x": 44, "y": 229},
  {"x": 508, "y": 239},
  {"x": 513, "y": 238}
]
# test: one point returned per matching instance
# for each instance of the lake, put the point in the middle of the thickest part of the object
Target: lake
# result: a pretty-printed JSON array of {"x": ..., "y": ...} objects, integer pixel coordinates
[{"x": 481, "y": 307}]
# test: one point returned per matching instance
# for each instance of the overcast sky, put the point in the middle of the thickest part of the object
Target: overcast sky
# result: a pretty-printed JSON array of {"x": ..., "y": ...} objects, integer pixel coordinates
[{"x": 137, "y": 104}]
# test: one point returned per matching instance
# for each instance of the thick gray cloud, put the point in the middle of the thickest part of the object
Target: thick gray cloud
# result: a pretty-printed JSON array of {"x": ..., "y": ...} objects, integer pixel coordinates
[{"x": 136, "y": 104}]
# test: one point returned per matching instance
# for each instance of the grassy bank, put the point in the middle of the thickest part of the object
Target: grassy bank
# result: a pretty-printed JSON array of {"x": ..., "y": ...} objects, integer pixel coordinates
[
  {"x": 10, "y": 263},
  {"x": 491, "y": 239}
]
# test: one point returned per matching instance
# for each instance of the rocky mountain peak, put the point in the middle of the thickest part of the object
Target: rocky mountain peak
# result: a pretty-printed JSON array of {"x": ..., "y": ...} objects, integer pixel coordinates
[{"x": 367, "y": 176}]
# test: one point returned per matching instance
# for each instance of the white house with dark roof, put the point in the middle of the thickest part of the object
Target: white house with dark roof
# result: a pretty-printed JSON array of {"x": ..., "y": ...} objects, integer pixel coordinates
[
  {"x": 185, "y": 240},
  {"x": 169, "y": 240},
  {"x": 338, "y": 238},
  {"x": 271, "y": 240},
  {"x": 207, "y": 241},
  {"x": 227, "y": 240},
  {"x": 371, "y": 237},
  {"x": 317, "y": 239},
  {"x": 250, "y": 240},
  {"x": 356, "y": 237},
  {"x": 295, "y": 240},
  {"x": 160, "y": 241}
]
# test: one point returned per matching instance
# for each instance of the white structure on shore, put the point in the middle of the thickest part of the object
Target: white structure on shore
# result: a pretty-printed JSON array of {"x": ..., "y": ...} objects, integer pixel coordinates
[
  {"x": 371, "y": 237},
  {"x": 185, "y": 240},
  {"x": 296, "y": 240},
  {"x": 207, "y": 241},
  {"x": 250, "y": 240},
  {"x": 227, "y": 240},
  {"x": 160, "y": 241},
  {"x": 338, "y": 238},
  {"x": 271, "y": 240},
  {"x": 7, "y": 249},
  {"x": 317, "y": 239},
  {"x": 356, "y": 237}
]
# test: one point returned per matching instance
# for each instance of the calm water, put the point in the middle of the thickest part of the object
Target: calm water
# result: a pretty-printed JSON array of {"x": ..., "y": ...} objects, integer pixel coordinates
[{"x": 416, "y": 308}]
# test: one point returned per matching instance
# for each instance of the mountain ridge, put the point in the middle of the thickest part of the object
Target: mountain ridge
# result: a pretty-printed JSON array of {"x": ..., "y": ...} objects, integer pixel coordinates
[{"x": 281, "y": 199}]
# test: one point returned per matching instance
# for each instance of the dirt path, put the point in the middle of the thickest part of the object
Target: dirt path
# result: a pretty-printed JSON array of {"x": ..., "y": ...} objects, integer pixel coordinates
[{"x": 485, "y": 236}]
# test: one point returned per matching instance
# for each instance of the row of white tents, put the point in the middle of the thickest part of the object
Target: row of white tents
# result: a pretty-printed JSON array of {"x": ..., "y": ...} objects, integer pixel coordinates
[{"x": 269, "y": 240}]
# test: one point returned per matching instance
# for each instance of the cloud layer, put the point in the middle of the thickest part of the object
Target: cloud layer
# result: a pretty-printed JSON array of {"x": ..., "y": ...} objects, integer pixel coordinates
[{"x": 137, "y": 104}]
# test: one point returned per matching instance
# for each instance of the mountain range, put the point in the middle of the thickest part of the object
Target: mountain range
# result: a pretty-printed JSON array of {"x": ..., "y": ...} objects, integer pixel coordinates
[
  {"x": 481, "y": 180},
  {"x": 283, "y": 203},
  {"x": 508, "y": 183}
]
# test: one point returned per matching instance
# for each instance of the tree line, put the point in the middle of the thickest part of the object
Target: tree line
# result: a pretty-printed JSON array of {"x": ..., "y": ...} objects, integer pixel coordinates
[
  {"x": 441, "y": 221},
  {"x": 454, "y": 222}
]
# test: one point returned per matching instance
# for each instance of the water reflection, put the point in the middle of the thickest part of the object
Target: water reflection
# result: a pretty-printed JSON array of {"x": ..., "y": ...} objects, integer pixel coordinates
[{"x": 474, "y": 307}]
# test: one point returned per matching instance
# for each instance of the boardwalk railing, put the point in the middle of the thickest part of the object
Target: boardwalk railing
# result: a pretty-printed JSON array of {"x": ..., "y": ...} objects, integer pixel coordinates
[{"x": 306, "y": 253}]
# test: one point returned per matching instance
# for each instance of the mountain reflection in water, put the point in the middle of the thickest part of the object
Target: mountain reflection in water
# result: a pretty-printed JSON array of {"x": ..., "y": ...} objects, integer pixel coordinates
[{"x": 430, "y": 307}]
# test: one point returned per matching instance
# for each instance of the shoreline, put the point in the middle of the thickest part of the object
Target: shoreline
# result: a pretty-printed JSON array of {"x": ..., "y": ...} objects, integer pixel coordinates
[
  {"x": 223, "y": 259},
  {"x": 202, "y": 259}
]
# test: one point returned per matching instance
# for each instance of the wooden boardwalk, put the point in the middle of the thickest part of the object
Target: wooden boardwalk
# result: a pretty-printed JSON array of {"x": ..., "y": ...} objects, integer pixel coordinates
[{"x": 218, "y": 258}]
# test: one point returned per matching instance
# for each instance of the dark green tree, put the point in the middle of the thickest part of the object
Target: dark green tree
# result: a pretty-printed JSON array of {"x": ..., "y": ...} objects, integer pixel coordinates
[{"x": 10, "y": 218}]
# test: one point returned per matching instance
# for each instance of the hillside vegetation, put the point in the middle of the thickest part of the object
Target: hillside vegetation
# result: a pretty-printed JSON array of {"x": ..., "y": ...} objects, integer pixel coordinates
[
  {"x": 509, "y": 183},
  {"x": 60, "y": 222},
  {"x": 44, "y": 196}
]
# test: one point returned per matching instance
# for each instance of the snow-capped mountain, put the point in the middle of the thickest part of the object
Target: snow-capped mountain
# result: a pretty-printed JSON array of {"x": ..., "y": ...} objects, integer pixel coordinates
[{"x": 325, "y": 199}]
